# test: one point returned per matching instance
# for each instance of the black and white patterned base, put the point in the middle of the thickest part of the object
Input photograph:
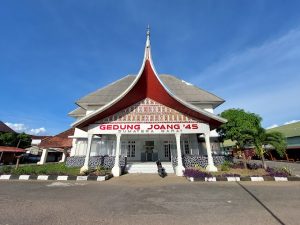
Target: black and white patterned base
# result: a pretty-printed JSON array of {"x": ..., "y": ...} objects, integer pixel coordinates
[
  {"x": 104, "y": 161},
  {"x": 200, "y": 160}
]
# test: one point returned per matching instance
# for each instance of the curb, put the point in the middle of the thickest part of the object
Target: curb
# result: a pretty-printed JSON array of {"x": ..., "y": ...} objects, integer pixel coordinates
[
  {"x": 55, "y": 177},
  {"x": 254, "y": 179}
]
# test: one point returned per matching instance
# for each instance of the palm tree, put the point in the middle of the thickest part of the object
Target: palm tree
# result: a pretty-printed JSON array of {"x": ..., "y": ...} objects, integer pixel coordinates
[{"x": 260, "y": 139}]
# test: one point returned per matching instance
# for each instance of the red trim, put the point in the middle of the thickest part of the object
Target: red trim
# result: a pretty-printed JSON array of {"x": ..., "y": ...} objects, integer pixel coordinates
[
  {"x": 10, "y": 149},
  {"x": 149, "y": 86}
]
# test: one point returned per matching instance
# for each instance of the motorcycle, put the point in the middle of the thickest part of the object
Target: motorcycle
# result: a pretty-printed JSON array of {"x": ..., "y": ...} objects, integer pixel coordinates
[{"x": 161, "y": 171}]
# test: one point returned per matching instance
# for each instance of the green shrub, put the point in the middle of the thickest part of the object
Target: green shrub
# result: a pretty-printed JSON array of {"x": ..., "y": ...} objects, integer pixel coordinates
[
  {"x": 28, "y": 170},
  {"x": 287, "y": 170},
  {"x": 5, "y": 170},
  {"x": 98, "y": 171},
  {"x": 200, "y": 168},
  {"x": 226, "y": 166}
]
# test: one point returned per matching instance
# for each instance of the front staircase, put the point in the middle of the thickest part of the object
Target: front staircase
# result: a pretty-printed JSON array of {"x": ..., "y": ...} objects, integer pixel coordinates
[{"x": 147, "y": 167}]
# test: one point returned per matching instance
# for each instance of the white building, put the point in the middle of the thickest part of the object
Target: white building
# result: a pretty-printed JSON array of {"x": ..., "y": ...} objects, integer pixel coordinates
[{"x": 144, "y": 118}]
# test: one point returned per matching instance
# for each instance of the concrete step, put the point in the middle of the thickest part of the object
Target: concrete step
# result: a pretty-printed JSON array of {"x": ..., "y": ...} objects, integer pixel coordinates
[{"x": 147, "y": 168}]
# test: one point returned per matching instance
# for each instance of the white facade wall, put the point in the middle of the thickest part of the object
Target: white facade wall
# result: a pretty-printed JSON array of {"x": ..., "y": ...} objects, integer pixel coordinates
[
  {"x": 80, "y": 137},
  {"x": 106, "y": 145}
]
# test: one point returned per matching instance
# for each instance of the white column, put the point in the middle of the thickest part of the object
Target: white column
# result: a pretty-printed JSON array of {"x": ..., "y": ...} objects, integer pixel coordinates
[
  {"x": 43, "y": 157},
  {"x": 88, "y": 153},
  {"x": 64, "y": 156},
  {"x": 210, "y": 167},
  {"x": 179, "y": 168},
  {"x": 116, "y": 170},
  {"x": 74, "y": 146}
]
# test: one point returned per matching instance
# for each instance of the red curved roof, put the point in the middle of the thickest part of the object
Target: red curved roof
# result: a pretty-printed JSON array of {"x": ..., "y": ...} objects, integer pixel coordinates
[{"x": 148, "y": 86}]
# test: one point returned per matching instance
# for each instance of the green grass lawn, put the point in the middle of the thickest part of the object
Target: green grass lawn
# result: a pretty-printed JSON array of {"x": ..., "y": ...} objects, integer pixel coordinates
[{"x": 47, "y": 169}]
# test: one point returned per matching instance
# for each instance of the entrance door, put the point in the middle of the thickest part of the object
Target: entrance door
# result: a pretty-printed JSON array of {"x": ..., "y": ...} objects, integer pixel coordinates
[{"x": 149, "y": 146}]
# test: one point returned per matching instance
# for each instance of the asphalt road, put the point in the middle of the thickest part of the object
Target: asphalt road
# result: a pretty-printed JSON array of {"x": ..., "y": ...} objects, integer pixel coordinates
[{"x": 148, "y": 199}]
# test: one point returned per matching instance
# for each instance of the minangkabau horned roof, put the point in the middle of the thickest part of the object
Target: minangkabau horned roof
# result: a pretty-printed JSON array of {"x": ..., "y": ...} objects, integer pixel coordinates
[
  {"x": 184, "y": 90},
  {"x": 147, "y": 84}
]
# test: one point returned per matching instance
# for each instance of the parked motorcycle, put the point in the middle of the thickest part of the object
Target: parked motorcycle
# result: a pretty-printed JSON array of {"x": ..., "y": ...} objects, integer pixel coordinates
[{"x": 161, "y": 171}]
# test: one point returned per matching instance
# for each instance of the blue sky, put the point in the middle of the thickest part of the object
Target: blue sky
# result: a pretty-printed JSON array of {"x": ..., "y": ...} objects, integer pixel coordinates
[{"x": 54, "y": 52}]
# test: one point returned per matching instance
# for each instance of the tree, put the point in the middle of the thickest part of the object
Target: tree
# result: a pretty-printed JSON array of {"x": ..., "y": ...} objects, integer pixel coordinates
[
  {"x": 245, "y": 128},
  {"x": 14, "y": 139},
  {"x": 239, "y": 124},
  {"x": 24, "y": 140},
  {"x": 260, "y": 139}
]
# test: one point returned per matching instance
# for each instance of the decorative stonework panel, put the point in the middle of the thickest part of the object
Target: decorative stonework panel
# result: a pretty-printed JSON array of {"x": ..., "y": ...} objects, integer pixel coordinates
[
  {"x": 147, "y": 111},
  {"x": 105, "y": 161},
  {"x": 193, "y": 160}
]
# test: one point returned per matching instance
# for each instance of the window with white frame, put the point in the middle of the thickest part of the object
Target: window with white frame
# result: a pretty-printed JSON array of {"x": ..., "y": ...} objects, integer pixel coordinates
[
  {"x": 186, "y": 147},
  {"x": 81, "y": 146},
  {"x": 131, "y": 145},
  {"x": 128, "y": 148},
  {"x": 167, "y": 148},
  {"x": 108, "y": 147}
]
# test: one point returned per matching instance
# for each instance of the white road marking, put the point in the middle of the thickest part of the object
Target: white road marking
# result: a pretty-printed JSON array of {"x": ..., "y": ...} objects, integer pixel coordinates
[{"x": 64, "y": 184}]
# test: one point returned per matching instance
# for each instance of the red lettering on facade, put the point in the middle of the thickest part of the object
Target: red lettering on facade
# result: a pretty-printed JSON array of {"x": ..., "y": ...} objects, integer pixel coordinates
[
  {"x": 148, "y": 127},
  {"x": 177, "y": 126},
  {"x": 137, "y": 127},
  {"x": 170, "y": 126},
  {"x": 194, "y": 126}
]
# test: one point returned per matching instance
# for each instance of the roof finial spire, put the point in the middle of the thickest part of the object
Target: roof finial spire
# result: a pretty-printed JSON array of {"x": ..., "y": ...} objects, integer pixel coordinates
[{"x": 148, "y": 36}]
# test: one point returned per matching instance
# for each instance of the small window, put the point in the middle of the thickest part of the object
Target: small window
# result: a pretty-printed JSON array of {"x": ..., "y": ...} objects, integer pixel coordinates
[
  {"x": 167, "y": 150},
  {"x": 186, "y": 147},
  {"x": 130, "y": 149}
]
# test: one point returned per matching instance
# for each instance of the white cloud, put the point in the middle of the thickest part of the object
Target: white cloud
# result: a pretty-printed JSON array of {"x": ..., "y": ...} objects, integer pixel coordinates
[
  {"x": 292, "y": 121},
  {"x": 18, "y": 127},
  {"x": 263, "y": 80},
  {"x": 37, "y": 131},
  {"x": 21, "y": 127}
]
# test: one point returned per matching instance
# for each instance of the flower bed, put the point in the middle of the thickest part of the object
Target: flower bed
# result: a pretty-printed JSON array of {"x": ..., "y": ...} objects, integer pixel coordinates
[
  {"x": 275, "y": 172},
  {"x": 195, "y": 173},
  {"x": 238, "y": 170}
]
